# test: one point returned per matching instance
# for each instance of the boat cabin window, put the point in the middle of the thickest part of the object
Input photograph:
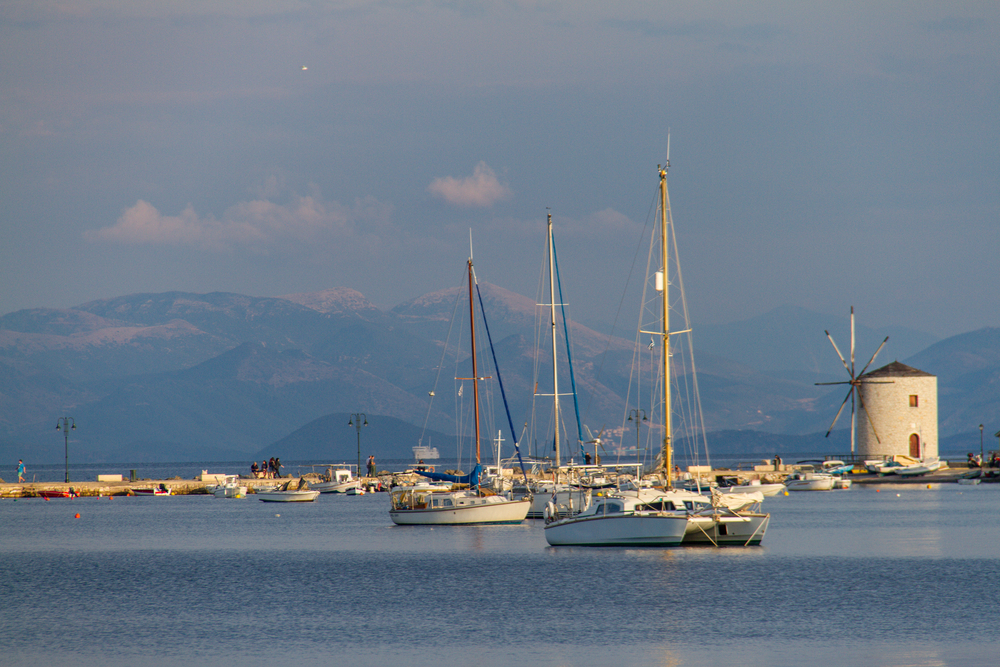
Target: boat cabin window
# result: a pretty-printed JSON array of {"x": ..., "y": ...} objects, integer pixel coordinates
[
  {"x": 441, "y": 502},
  {"x": 689, "y": 505},
  {"x": 611, "y": 507},
  {"x": 658, "y": 506}
]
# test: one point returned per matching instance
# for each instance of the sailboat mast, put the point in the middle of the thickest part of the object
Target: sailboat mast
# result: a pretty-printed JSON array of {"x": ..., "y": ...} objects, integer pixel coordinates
[
  {"x": 854, "y": 387},
  {"x": 475, "y": 370},
  {"x": 664, "y": 293},
  {"x": 552, "y": 323}
]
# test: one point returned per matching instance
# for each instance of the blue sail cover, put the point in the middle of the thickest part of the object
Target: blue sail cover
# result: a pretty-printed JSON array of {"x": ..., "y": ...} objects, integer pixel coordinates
[{"x": 472, "y": 479}]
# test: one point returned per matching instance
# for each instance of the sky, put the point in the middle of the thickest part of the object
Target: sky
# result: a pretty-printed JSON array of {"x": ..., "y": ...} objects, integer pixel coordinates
[{"x": 822, "y": 154}]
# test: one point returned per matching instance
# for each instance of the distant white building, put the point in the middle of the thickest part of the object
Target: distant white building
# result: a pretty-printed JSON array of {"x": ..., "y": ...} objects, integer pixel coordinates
[{"x": 903, "y": 406}]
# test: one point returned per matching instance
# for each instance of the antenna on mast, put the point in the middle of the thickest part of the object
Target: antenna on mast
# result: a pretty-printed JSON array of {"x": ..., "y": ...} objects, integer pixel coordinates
[
  {"x": 470, "y": 244},
  {"x": 667, "y": 165}
]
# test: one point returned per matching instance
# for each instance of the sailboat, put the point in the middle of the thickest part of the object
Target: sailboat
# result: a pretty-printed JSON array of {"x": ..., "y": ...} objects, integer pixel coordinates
[
  {"x": 566, "y": 496},
  {"x": 435, "y": 504},
  {"x": 662, "y": 516}
]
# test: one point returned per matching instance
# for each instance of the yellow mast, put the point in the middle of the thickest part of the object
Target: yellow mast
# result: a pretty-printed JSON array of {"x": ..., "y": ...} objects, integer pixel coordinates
[{"x": 665, "y": 282}]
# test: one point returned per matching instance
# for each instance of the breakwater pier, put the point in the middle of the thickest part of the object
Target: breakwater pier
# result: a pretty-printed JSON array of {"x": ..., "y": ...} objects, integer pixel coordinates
[{"x": 114, "y": 485}]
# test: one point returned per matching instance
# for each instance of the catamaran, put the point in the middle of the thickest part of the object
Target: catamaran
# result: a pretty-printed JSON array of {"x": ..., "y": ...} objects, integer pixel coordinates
[{"x": 665, "y": 516}]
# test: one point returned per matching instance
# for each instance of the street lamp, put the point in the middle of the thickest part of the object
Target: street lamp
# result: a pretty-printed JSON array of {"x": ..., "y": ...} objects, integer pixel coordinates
[
  {"x": 355, "y": 421},
  {"x": 982, "y": 455},
  {"x": 635, "y": 413},
  {"x": 66, "y": 424}
]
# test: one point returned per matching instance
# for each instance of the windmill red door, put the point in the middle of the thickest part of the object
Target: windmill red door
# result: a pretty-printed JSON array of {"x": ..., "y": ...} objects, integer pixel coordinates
[{"x": 915, "y": 445}]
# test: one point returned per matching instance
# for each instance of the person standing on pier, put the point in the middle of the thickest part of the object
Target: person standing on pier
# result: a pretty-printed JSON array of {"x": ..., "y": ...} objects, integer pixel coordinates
[
  {"x": 371, "y": 465},
  {"x": 20, "y": 470}
]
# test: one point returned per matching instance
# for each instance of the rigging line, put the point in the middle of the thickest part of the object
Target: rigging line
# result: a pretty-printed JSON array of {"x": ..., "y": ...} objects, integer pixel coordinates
[
  {"x": 621, "y": 304},
  {"x": 635, "y": 373},
  {"x": 569, "y": 354},
  {"x": 636, "y": 352},
  {"x": 690, "y": 337},
  {"x": 537, "y": 342},
  {"x": 437, "y": 377},
  {"x": 496, "y": 367}
]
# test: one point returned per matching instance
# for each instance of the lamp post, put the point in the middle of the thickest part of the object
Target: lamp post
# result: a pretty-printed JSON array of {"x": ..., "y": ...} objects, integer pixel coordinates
[
  {"x": 982, "y": 454},
  {"x": 635, "y": 413},
  {"x": 356, "y": 422},
  {"x": 66, "y": 424}
]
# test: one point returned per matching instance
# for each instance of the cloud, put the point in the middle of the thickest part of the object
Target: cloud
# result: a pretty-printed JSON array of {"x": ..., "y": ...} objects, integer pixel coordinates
[
  {"x": 480, "y": 189},
  {"x": 258, "y": 225}
]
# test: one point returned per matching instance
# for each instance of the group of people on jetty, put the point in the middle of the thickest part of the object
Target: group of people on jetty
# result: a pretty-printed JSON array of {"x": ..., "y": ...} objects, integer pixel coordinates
[
  {"x": 976, "y": 461},
  {"x": 270, "y": 469}
]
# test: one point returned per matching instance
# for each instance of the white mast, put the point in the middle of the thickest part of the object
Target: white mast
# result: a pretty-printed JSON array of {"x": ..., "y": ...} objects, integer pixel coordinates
[{"x": 552, "y": 322}]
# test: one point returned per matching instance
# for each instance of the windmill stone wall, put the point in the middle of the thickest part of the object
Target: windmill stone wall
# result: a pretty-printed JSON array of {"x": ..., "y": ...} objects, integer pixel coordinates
[{"x": 903, "y": 405}]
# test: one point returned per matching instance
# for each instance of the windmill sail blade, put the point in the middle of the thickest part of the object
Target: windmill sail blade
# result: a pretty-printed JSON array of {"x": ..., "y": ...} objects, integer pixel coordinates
[
  {"x": 848, "y": 368},
  {"x": 849, "y": 394},
  {"x": 823, "y": 383},
  {"x": 873, "y": 356},
  {"x": 870, "y": 422}
]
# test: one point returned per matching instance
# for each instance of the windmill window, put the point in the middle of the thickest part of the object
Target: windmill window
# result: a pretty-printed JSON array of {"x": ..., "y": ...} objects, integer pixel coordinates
[{"x": 913, "y": 401}]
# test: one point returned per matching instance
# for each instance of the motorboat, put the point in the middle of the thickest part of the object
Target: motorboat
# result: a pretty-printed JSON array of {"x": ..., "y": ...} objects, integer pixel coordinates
[
  {"x": 286, "y": 494},
  {"x": 427, "y": 504},
  {"x": 807, "y": 480},
  {"x": 230, "y": 488},
  {"x": 337, "y": 480},
  {"x": 48, "y": 494},
  {"x": 160, "y": 490}
]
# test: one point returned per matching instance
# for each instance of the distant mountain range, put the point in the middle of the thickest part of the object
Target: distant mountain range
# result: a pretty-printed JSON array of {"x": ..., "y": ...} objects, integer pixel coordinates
[{"x": 181, "y": 376}]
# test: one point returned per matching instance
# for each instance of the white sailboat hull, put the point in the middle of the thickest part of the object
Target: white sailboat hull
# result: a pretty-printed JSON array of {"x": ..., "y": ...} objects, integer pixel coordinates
[
  {"x": 648, "y": 530},
  {"x": 486, "y": 510}
]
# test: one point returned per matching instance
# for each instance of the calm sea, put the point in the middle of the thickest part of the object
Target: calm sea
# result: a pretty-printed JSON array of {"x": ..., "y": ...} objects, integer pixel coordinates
[{"x": 899, "y": 576}]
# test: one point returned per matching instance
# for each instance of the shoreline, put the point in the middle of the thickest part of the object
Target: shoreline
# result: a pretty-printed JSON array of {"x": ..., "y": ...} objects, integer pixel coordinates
[{"x": 178, "y": 486}]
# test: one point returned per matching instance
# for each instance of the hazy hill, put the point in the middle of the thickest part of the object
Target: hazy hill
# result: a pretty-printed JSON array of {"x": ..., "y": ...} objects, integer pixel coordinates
[{"x": 152, "y": 377}]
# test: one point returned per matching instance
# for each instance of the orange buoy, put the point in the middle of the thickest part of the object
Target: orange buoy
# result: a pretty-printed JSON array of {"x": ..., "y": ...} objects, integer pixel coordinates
[{"x": 77, "y": 516}]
